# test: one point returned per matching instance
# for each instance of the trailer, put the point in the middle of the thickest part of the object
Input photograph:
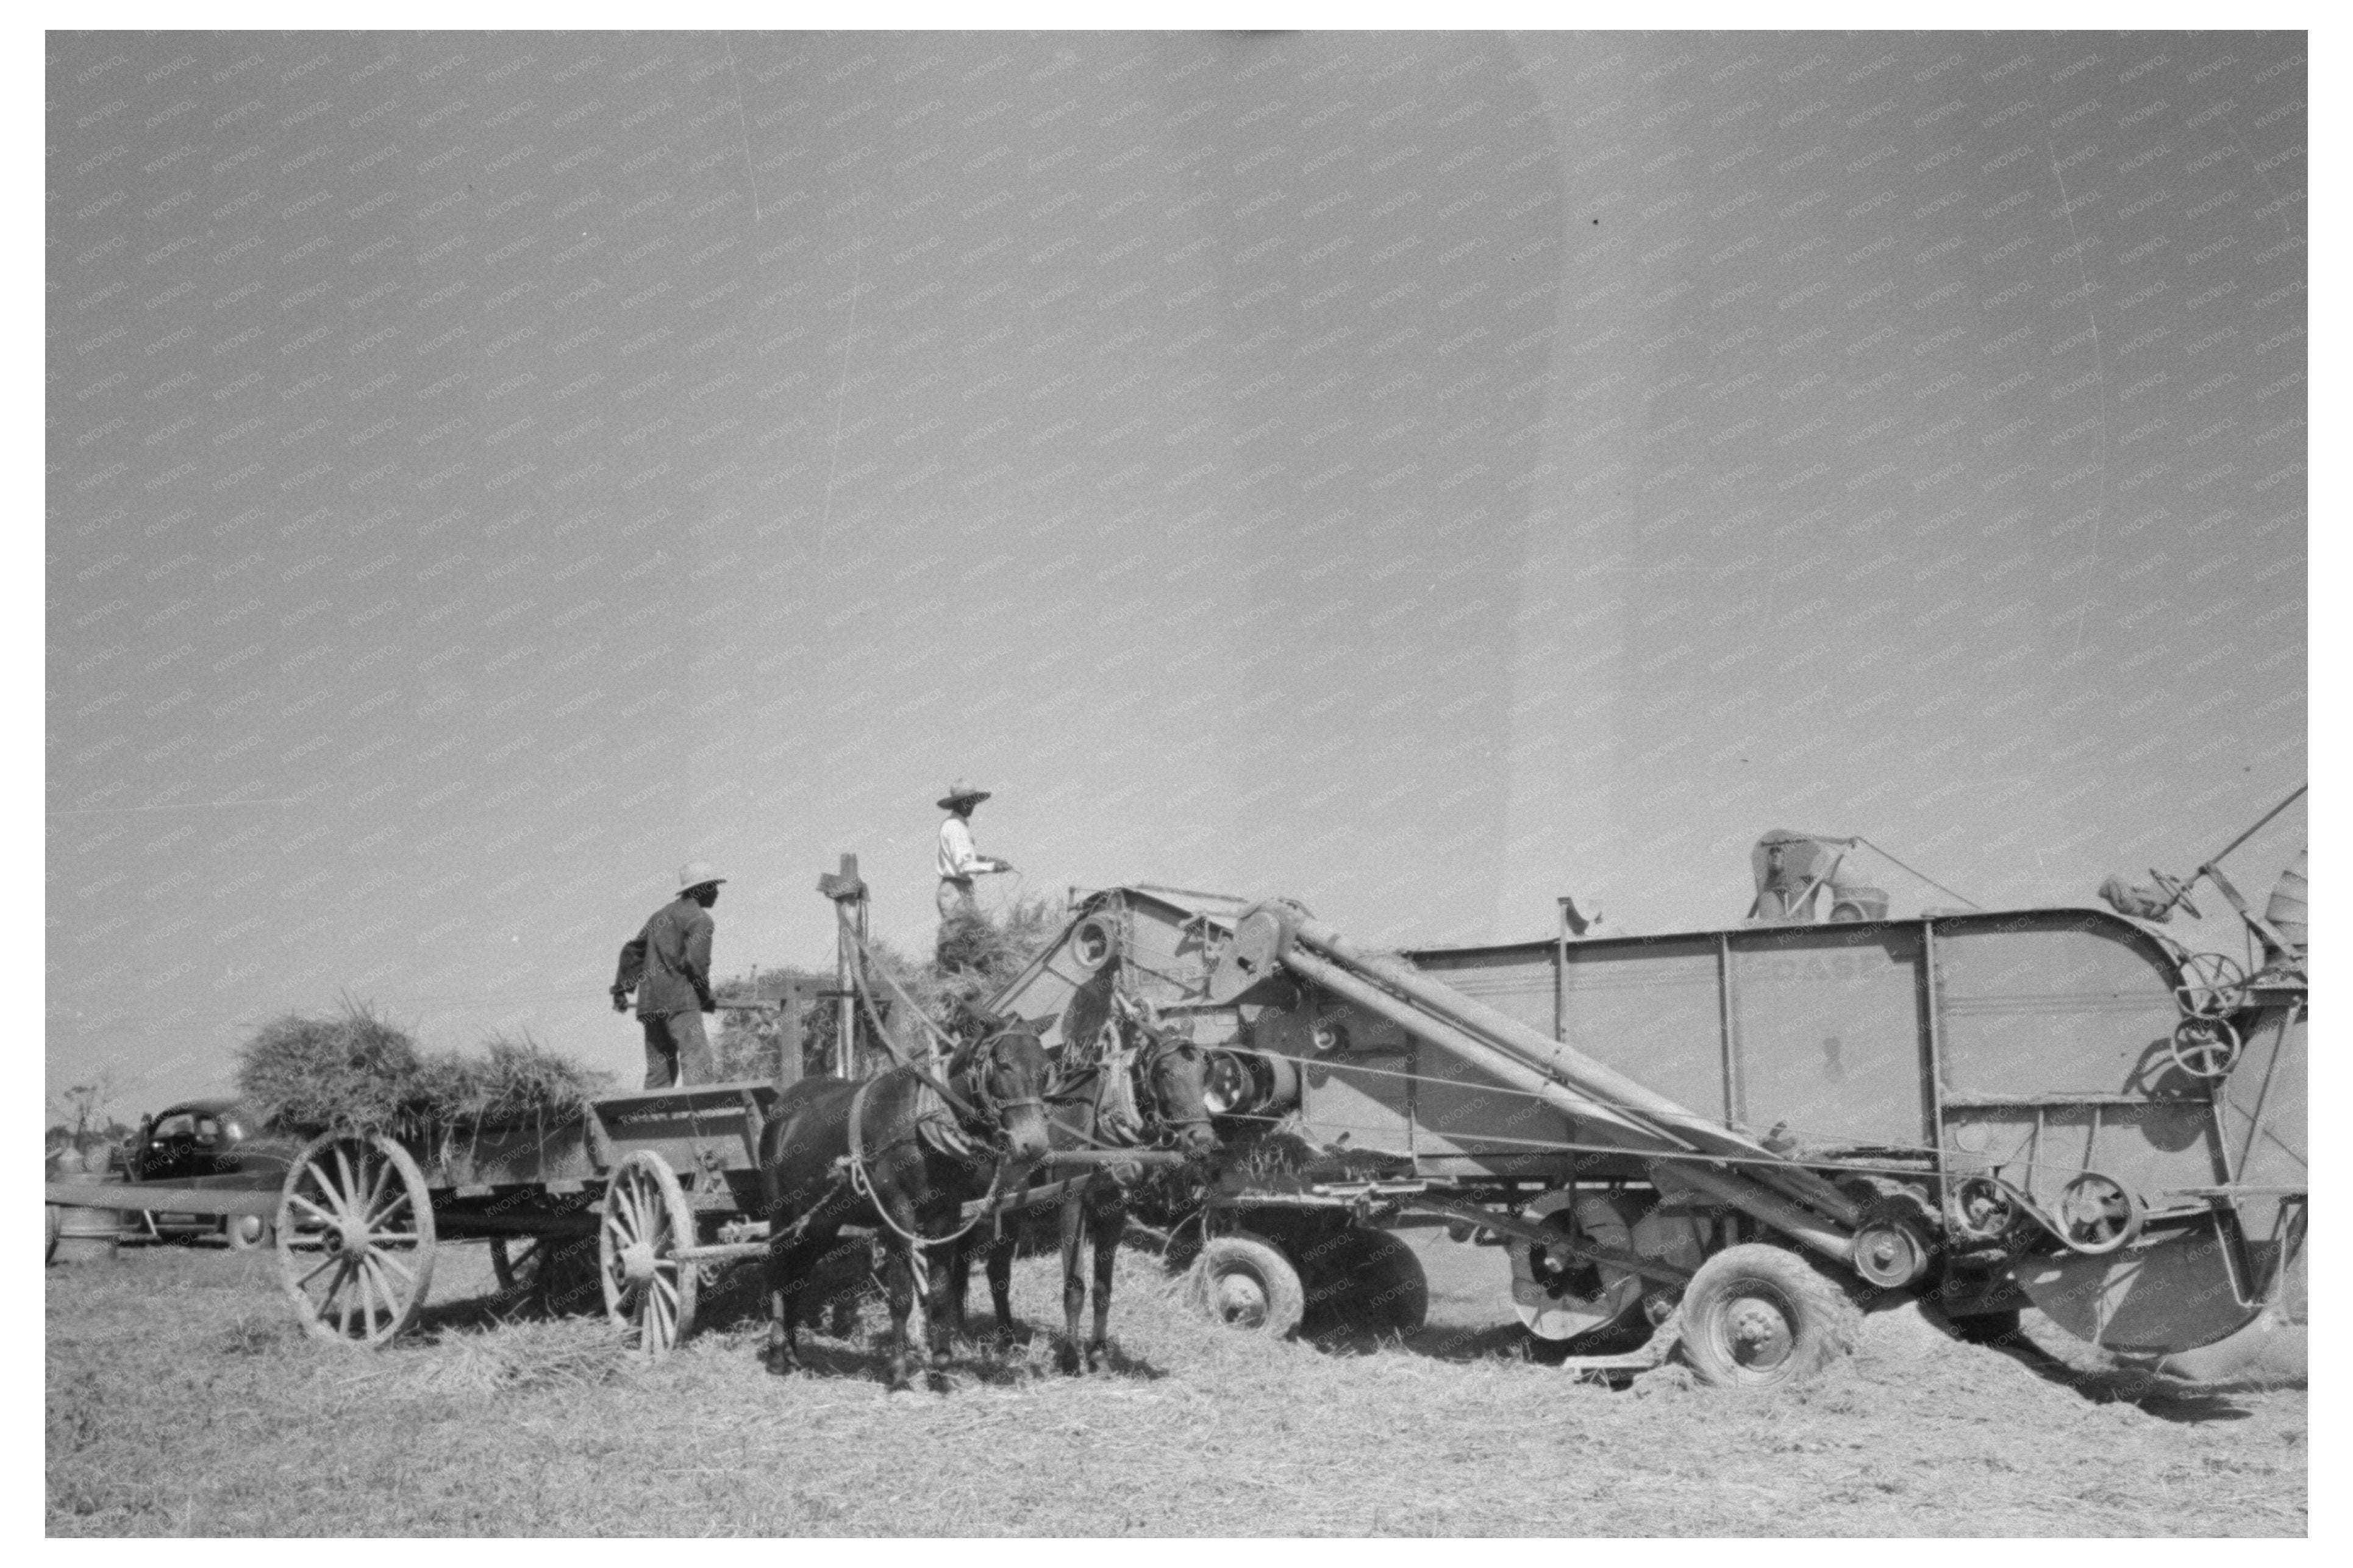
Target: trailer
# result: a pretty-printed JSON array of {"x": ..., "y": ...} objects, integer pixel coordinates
[{"x": 1719, "y": 1142}]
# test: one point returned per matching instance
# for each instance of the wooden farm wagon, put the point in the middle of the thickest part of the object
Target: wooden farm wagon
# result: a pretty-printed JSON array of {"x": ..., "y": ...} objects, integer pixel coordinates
[{"x": 630, "y": 1196}]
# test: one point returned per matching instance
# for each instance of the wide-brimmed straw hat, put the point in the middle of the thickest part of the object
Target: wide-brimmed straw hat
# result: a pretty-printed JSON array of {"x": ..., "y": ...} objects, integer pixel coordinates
[
  {"x": 695, "y": 874},
  {"x": 960, "y": 792}
]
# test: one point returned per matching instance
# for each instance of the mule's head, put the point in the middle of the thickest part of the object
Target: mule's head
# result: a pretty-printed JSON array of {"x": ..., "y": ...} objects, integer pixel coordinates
[
  {"x": 1176, "y": 1079},
  {"x": 1007, "y": 1076}
]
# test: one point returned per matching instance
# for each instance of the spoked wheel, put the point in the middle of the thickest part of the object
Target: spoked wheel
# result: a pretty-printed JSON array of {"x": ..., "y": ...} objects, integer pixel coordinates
[
  {"x": 355, "y": 1237},
  {"x": 553, "y": 1274},
  {"x": 649, "y": 1293}
]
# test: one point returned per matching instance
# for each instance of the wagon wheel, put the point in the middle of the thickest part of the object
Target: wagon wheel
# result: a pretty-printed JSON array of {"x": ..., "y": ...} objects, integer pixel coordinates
[
  {"x": 2209, "y": 984},
  {"x": 355, "y": 1237},
  {"x": 649, "y": 1293},
  {"x": 2205, "y": 1048},
  {"x": 54, "y": 1227},
  {"x": 553, "y": 1274}
]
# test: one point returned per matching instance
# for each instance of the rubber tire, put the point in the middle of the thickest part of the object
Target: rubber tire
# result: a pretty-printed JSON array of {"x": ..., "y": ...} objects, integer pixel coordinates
[
  {"x": 1259, "y": 1260},
  {"x": 1372, "y": 1279},
  {"x": 264, "y": 1239},
  {"x": 1819, "y": 1318},
  {"x": 1997, "y": 1328}
]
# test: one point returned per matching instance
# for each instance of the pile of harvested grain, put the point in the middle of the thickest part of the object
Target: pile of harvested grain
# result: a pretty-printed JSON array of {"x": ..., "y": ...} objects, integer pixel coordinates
[{"x": 307, "y": 1072}]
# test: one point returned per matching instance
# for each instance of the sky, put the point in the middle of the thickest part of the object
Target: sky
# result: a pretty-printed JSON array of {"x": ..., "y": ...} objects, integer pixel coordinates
[{"x": 1417, "y": 474}]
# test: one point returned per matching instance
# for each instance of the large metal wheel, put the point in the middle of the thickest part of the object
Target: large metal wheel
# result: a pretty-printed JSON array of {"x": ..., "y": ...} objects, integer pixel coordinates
[
  {"x": 355, "y": 1237},
  {"x": 1758, "y": 1317},
  {"x": 552, "y": 1274},
  {"x": 1245, "y": 1282},
  {"x": 649, "y": 1293},
  {"x": 1562, "y": 1296}
]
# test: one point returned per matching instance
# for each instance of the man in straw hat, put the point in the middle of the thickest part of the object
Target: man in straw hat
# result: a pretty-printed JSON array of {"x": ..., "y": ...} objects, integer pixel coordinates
[
  {"x": 668, "y": 964},
  {"x": 959, "y": 862}
]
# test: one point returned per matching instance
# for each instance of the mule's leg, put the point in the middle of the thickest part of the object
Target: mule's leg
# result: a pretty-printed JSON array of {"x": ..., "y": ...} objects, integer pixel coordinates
[
  {"x": 1074, "y": 1285},
  {"x": 788, "y": 1281},
  {"x": 959, "y": 1267},
  {"x": 899, "y": 1284},
  {"x": 937, "y": 1309},
  {"x": 1107, "y": 1222},
  {"x": 1000, "y": 1286}
]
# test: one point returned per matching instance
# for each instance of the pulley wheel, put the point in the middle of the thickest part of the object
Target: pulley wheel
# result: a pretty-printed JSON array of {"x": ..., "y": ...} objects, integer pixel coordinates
[
  {"x": 2205, "y": 1048},
  {"x": 2209, "y": 984},
  {"x": 2097, "y": 1214},
  {"x": 1095, "y": 942}
]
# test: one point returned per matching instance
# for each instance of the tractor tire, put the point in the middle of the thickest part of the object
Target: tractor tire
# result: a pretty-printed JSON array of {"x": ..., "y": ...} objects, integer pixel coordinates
[
  {"x": 1757, "y": 1316},
  {"x": 1245, "y": 1282},
  {"x": 1370, "y": 1280}
]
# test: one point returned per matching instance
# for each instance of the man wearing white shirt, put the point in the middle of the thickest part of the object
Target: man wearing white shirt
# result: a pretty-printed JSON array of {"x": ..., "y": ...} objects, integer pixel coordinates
[{"x": 959, "y": 862}]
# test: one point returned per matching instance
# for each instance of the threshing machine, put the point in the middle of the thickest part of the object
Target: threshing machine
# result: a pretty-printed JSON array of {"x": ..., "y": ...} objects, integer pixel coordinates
[{"x": 1723, "y": 1140}]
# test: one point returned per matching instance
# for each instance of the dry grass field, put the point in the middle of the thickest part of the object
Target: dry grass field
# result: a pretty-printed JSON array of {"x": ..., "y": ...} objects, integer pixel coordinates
[{"x": 183, "y": 1398}]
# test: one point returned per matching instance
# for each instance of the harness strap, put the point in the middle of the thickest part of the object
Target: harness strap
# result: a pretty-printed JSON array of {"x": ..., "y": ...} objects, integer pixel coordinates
[{"x": 861, "y": 1182}]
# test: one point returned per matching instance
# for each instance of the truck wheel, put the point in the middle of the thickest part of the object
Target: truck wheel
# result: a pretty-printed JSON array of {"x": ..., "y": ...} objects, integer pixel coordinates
[
  {"x": 249, "y": 1233},
  {"x": 1245, "y": 1282},
  {"x": 1759, "y": 1317}
]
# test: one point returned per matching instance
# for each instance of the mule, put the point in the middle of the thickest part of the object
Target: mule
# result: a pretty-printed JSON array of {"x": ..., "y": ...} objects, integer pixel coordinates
[
  {"x": 1151, "y": 1095},
  {"x": 887, "y": 1151}
]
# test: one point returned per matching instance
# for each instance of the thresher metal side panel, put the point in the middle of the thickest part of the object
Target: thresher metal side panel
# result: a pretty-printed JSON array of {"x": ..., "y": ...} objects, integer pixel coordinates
[
  {"x": 2053, "y": 1001},
  {"x": 1462, "y": 1112},
  {"x": 2264, "y": 1128},
  {"x": 2148, "y": 1145},
  {"x": 1166, "y": 950},
  {"x": 1359, "y": 1096},
  {"x": 1827, "y": 1023},
  {"x": 2056, "y": 1026},
  {"x": 1653, "y": 1009}
]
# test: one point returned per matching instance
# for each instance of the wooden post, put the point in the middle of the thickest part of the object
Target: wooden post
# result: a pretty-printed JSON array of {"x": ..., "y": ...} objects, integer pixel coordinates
[
  {"x": 798, "y": 994},
  {"x": 848, "y": 896}
]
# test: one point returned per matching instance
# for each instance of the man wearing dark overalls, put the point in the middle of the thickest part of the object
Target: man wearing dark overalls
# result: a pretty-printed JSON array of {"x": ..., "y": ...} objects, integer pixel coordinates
[{"x": 668, "y": 964}]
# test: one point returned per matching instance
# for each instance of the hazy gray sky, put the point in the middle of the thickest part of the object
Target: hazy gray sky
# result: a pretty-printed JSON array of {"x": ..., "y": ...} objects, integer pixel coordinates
[{"x": 1418, "y": 474}]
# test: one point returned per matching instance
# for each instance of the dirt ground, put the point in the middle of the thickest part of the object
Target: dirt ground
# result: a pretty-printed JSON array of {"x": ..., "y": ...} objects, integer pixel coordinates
[{"x": 183, "y": 1399}]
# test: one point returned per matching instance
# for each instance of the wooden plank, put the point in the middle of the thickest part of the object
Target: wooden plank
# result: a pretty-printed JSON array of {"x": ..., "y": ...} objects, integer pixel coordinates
[{"x": 153, "y": 1198}]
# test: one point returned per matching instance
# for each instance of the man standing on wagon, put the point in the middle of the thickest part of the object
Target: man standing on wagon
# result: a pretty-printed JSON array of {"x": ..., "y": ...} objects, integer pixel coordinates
[
  {"x": 668, "y": 964},
  {"x": 959, "y": 862}
]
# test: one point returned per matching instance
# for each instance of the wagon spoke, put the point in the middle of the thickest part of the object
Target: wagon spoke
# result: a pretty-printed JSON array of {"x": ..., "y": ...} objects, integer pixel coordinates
[
  {"x": 333, "y": 1259},
  {"x": 399, "y": 1200},
  {"x": 327, "y": 1188},
  {"x": 351, "y": 1184},
  {"x": 366, "y": 1281},
  {"x": 375, "y": 1188},
  {"x": 324, "y": 1216},
  {"x": 386, "y": 1260}
]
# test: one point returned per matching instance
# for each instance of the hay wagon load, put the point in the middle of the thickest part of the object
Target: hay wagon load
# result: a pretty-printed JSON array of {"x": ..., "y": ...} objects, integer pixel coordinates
[
  {"x": 581, "y": 1192},
  {"x": 1720, "y": 1140}
]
